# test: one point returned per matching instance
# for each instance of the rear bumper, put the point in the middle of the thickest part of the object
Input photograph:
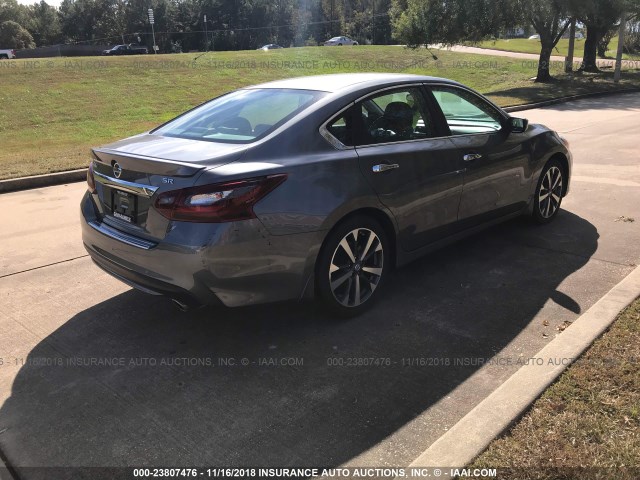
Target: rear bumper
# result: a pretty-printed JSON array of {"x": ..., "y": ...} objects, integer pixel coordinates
[
  {"x": 144, "y": 283},
  {"x": 234, "y": 264}
]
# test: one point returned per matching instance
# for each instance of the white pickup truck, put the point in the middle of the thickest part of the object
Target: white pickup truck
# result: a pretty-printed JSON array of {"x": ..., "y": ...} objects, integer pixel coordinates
[{"x": 6, "y": 54}]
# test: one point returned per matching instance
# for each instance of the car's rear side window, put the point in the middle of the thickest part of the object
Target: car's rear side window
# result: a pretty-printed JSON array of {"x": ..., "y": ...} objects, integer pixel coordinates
[
  {"x": 342, "y": 128},
  {"x": 240, "y": 117}
]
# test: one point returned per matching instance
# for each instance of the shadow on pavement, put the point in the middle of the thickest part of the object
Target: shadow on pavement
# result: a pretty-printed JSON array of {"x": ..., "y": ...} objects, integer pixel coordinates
[{"x": 466, "y": 301}]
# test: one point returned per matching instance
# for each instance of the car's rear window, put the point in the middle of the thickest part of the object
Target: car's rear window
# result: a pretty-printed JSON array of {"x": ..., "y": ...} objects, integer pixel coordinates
[{"x": 240, "y": 117}]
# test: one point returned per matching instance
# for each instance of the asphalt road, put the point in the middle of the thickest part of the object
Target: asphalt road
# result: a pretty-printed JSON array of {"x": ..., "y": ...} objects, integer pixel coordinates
[{"x": 177, "y": 392}]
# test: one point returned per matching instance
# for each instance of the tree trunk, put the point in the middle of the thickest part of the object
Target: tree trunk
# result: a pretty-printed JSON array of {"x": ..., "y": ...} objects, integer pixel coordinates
[
  {"x": 603, "y": 46},
  {"x": 603, "y": 43},
  {"x": 590, "y": 50},
  {"x": 543, "y": 65}
]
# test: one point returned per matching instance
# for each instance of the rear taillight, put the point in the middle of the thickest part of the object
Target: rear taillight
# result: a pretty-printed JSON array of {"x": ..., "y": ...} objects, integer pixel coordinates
[
  {"x": 218, "y": 202},
  {"x": 91, "y": 181}
]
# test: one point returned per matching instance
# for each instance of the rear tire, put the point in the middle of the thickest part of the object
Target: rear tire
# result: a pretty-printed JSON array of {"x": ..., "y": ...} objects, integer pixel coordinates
[
  {"x": 4, "y": 57},
  {"x": 352, "y": 266},
  {"x": 549, "y": 191}
]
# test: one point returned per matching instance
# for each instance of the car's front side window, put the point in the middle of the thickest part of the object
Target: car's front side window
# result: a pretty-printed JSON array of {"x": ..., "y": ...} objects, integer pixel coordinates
[
  {"x": 466, "y": 113},
  {"x": 394, "y": 116}
]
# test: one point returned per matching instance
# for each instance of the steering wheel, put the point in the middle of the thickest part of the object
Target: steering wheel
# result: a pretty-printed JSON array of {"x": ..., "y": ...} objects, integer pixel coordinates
[{"x": 376, "y": 130}]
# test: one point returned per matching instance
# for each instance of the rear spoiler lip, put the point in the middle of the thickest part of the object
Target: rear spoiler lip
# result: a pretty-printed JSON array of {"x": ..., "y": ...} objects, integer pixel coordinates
[{"x": 149, "y": 165}]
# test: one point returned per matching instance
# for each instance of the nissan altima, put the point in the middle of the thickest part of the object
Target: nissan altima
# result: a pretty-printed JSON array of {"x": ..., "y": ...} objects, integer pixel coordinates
[{"x": 313, "y": 187}]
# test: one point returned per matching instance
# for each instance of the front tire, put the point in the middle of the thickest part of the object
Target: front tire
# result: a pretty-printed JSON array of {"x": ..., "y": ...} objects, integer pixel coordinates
[
  {"x": 549, "y": 192},
  {"x": 352, "y": 266}
]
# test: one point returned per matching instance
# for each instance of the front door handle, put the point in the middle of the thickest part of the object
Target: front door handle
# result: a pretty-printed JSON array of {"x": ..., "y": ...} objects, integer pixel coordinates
[
  {"x": 469, "y": 157},
  {"x": 383, "y": 167}
]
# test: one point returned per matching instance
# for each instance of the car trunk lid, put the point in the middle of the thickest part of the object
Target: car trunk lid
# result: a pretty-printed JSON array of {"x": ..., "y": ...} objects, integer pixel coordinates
[{"x": 130, "y": 173}]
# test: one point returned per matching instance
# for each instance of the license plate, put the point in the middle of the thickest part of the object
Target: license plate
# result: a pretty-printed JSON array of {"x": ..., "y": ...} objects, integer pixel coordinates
[{"x": 124, "y": 205}]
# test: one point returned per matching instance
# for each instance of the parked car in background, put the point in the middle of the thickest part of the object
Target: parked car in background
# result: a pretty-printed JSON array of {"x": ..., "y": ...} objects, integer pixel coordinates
[
  {"x": 7, "y": 54},
  {"x": 314, "y": 186},
  {"x": 126, "y": 50},
  {"x": 534, "y": 37},
  {"x": 339, "y": 41},
  {"x": 270, "y": 46}
]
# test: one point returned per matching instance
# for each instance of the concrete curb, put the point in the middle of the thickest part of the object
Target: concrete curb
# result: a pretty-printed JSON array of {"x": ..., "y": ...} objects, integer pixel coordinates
[
  {"x": 47, "y": 180},
  {"x": 491, "y": 417},
  {"x": 555, "y": 101},
  {"x": 50, "y": 179}
]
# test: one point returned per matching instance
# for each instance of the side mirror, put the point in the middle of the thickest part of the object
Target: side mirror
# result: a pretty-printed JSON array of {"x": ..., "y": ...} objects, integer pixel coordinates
[{"x": 518, "y": 125}]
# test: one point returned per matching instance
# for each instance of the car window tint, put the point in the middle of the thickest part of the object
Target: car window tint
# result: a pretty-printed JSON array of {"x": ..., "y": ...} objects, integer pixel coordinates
[
  {"x": 466, "y": 113},
  {"x": 395, "y": 116},
  {"x": 240, "y": 117}
]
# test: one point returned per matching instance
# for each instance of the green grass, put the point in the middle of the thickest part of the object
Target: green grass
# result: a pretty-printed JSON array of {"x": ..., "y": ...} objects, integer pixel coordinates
[
  {"x": 523, "y": 45},
  {"x": 588, "y": 419},
  {"x": 54, "y": 110}
]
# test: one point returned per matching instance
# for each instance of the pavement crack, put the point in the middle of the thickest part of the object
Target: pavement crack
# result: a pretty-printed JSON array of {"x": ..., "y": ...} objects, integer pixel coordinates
[{"x": 43, "y": 266}]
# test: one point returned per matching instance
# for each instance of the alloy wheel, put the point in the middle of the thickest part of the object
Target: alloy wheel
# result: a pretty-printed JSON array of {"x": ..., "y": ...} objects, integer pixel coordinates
[
  {"x": 550, "y": 193},
  {"x": 356, "y": 267}
]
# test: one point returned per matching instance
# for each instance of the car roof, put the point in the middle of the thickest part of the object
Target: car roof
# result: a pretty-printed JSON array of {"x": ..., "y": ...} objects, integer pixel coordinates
[{"x": 341, "y": 81}]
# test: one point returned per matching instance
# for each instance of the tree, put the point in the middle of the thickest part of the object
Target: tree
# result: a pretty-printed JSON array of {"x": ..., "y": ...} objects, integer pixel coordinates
[
  {"x": 44, "y": 24},
  {"x": 550, "y": 18},
  {"x": 424, "y": 22},
  {"x": 13, "y": 35},
  {"x": 77, "y": 19},
  {"x": 421, "y": 22},
  {"x": 632, "y": 38},
  {"x": 599, "y": 17},
  {"x": 603, "y": 44},
  {"x": 12, "y": 10},
  {"x": 110, "y": 19}
]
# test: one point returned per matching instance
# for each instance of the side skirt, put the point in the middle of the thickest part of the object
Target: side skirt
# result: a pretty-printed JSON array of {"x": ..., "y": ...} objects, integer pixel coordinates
[{"x": 402, "y": 258}]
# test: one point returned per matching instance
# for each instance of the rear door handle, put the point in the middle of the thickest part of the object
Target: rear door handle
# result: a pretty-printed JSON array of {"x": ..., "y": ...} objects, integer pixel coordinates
[
  {"x": 469, "y": 157},
  {"x": 383, "y": 167}
]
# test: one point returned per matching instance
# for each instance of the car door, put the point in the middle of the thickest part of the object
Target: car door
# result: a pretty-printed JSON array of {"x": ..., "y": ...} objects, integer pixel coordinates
[
  {"x": 496, "y": 163},
  {"x": 412, "y": 167}
]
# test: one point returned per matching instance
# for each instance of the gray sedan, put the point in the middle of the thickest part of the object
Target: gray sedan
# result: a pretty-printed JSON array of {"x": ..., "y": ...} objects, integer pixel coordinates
[
  {"x": 313, "y": 187},
  {"x": 339, "y": 41}
]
